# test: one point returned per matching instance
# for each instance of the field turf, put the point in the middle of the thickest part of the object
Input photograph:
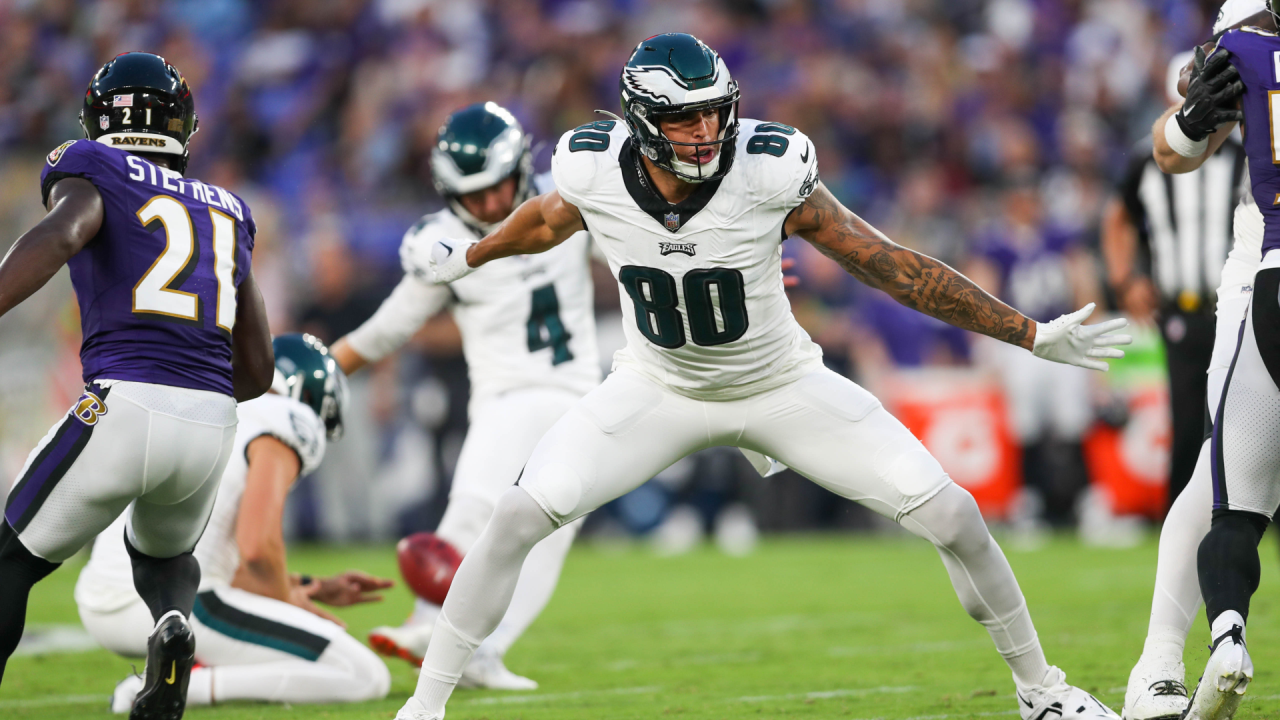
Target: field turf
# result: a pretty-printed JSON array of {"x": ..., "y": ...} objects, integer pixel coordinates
[{"x": 810, "y": 627}]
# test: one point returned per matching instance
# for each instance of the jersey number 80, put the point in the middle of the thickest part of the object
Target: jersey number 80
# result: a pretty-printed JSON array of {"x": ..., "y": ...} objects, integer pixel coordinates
[{"x": 715, "y": 299}]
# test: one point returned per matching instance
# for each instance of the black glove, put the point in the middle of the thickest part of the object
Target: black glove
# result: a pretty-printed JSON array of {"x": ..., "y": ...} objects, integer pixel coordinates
[{"x": 1211, "y": 95}]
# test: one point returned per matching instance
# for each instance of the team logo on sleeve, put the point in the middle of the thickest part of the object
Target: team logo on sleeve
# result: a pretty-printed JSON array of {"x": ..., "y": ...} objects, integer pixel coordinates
[
  {"x": 672, "y": 221},
  {"x": 90, "y": 408},
  {"x": 810, "y": 182},
  {"x": 57, "y": 153},
  {"x": 666, "y": 248}
]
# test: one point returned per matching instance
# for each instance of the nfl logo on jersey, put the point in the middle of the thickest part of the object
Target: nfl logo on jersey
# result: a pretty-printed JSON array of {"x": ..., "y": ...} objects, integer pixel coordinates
[{"x": 672, "y": 221}]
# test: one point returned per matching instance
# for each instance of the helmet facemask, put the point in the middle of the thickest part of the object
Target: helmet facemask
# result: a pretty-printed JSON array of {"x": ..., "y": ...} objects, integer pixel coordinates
[
  {"x": 645, "y": 121},
  {"x": 478, "y": 147}
]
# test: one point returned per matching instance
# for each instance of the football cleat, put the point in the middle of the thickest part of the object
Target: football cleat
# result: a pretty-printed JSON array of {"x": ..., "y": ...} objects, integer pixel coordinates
[
  {"x": 1155, "y": 690},
  {"x": 1056, "y": 700},
  {"x": 407, "y": 642},
  {"x": 1226, "y": 677},
  {"x": 486, "y": 671},
  {"x": 126, "y": 690},
  {"x": 171, "y": 652},
  {"x": 414, "y": 710}
]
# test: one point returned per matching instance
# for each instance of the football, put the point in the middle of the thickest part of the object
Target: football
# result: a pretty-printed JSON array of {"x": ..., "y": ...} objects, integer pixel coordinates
[{"x": 427, "y": 564}]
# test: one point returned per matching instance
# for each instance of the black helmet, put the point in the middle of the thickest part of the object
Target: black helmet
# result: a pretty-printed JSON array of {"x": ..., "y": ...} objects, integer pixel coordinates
[
  {"x": 139, "y": 102},
  {"x": 306, "y": 372},
  {"x": 671, "y": 74},
  {"x": 478, "y": 147}
]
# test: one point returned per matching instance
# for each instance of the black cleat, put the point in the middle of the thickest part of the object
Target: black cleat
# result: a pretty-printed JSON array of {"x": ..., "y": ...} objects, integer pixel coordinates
[{"x": 171, "y": 651}]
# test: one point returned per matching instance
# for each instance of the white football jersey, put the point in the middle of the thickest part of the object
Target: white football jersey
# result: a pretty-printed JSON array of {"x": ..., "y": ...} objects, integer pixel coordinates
[
  {"x": 701, "y": 282},
  {"x": 526, "y": 321},
  {"x": 106, "y": 582}
]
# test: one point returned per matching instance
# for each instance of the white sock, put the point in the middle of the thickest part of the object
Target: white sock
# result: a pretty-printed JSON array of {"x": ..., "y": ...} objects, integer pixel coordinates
[
  {"x": 533, "y": 591},
  {"x": 200, "y": 687},
  {"x": 480, "y": 594},
  {"x": 1176, "y": 601},
  {"x": 982, "y": 578},
  {"x": 1224, "y": 622}
]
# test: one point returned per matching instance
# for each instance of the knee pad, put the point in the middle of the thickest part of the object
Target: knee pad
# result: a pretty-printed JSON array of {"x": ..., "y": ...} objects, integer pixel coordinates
[
  {"x": 951, "y": 519},
  {"x": 521, "y": 518}
]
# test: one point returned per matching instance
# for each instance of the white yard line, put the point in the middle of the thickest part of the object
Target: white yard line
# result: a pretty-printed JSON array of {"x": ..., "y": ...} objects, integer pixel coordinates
[
  {"x": 57, "y": 700},
  {"x": 508, "y": 699},
  {"x": 825, "y": 694}
]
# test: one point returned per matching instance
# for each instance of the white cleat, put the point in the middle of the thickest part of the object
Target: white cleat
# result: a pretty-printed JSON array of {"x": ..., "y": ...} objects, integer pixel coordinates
[
  {"x": 1226, "y": 677},
  {"x": 126, "y": 690},
  {"x": 486, "y": 671},
  {"x": 1156, "y": 691},
  {"x": 1056, "y": 700},
  {"x": 407, "y": 642},
  {"x": 414, "y": 710}
]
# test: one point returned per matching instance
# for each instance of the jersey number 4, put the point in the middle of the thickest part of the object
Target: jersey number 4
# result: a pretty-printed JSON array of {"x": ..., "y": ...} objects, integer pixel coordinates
[
  {"x": 545, "y": 328},
  {"x": 715, "y": 299},
  {"x": 157, "y": 294}
]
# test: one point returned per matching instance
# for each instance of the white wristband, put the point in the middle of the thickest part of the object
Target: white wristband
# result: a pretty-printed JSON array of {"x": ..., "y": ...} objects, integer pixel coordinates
[{"x": 1180, "y": 143}]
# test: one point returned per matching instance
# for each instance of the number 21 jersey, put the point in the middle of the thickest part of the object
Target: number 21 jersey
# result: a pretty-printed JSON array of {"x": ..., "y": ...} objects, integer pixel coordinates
[
  {"x": 704, "y": 308},
  {"x": 157, "y": 286}
]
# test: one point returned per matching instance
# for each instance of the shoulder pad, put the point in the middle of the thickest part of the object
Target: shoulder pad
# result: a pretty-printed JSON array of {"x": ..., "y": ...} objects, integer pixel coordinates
[
  {"x": 781, "y": 161},
  {"x": 290, "y": 422},
  {"x": 582, "y": 154},
  {"x": 74, "y": 158}
]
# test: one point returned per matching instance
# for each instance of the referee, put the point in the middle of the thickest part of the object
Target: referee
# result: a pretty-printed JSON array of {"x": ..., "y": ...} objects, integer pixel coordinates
[{"x": 1164, "y": 240}]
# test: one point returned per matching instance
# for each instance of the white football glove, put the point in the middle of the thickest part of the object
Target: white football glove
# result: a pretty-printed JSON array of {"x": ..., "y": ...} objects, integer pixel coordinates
[
  {"x": 1065, "y": 340},
  {"x": 449, "y": 260}
]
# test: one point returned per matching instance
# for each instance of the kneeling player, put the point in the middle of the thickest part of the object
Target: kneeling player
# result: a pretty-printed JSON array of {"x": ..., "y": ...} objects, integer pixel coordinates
[{"x": 259, "y": 634}]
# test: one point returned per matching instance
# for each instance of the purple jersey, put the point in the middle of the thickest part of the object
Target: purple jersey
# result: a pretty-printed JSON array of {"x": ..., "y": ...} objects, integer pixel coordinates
[
  {"x": 1256, "y": 54},
  {"x": 157, "y": 286}
]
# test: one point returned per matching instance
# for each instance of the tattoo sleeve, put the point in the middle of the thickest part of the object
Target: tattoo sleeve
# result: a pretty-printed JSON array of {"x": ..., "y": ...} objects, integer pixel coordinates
[{"x": 915, "y": 280}]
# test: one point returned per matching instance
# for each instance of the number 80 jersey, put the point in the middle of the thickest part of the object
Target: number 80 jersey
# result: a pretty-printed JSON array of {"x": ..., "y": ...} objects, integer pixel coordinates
[
  {"x": 158, "y": 285},
  {"x": 701, "y": 281}
]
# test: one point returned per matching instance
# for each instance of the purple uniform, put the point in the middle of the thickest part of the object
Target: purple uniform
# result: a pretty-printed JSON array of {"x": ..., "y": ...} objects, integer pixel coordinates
[
  {"x": 157, "y": 287},
  {"x": 1256, "y": 54}
]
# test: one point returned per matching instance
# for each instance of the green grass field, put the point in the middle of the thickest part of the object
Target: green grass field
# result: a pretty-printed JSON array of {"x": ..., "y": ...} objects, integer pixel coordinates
[{"x": 826, "y": 627}]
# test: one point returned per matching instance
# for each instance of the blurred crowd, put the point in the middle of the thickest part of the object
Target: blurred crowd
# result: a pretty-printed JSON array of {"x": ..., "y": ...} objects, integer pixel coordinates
[{"x": 987, "y": 133}]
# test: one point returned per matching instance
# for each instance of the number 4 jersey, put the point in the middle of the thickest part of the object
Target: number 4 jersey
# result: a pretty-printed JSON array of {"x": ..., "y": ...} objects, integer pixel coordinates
[
  {"x": 703, "y": 303},
  {"x": 157, "y": 285},
  {"x": 526, "y": 321},
  {"x": 1256, "y": 54}
]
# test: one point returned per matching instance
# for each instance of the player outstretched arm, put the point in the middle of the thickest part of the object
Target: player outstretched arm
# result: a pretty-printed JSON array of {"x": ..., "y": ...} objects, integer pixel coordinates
[
  {"x": 75, "y": 215},
  {"x": 253, "y": 363},
  {"x": 538, "y": 225},
  {"x": 273, "y": 468},
  {"x": 934, "y": 288}
]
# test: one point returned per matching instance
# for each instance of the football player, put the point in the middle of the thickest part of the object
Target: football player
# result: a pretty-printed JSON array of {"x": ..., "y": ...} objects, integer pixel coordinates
[
  {"x": 1244, "y": 466},
  {"x": 690, "y": 205},
  {"x": 529, "y": 337},
  {"x": 1156, "y": 689},
  {"x": 174, "y": 334},
  {"x": 259, "y": 634}
]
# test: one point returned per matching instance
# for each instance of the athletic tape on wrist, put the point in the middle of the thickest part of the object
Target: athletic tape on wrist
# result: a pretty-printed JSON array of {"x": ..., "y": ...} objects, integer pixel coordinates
[{"x": 1180, "y": 143}]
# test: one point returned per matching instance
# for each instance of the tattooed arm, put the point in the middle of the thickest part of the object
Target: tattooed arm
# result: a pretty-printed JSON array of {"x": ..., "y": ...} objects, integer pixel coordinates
[{"x": 915, "y": 280}]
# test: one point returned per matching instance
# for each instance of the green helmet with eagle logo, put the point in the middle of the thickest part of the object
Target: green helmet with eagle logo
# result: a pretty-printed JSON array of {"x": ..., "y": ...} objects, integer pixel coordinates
[
  {"x": 674, "y": 74},
  {"x": 478, "y": 147},
  {"x": 306, "y": 372}
]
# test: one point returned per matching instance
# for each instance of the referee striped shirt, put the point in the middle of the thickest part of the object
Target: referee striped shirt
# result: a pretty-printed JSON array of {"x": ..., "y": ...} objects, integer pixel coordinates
[{"x": 1185, "y": 222}]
